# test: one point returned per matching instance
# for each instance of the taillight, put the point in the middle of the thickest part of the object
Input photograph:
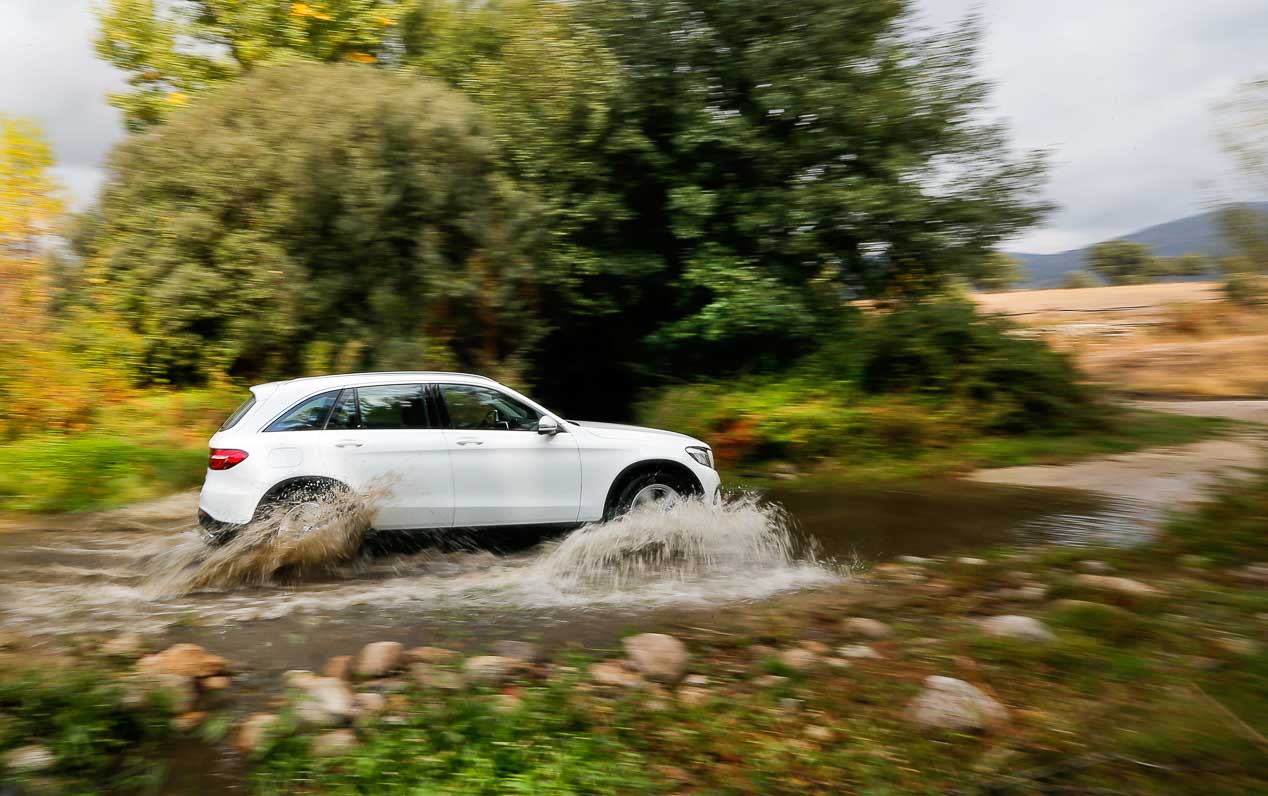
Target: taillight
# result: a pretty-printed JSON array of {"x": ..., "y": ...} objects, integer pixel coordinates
[{"x": 224, "y": 458}]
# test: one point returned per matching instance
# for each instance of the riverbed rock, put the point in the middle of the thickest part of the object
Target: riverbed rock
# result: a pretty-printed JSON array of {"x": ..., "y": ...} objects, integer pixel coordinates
[
  {"x": 1238, "y": 645},
  {"x": 616, "y": 674},
  {"x": 1255, "y": 574},
  {"x": 325, "y": 702},
  {"x": 693, "y": 695},
  {"x": 658, "y": 657},
  {"x": 334, "y": 743},
  {"x": 217, "y": 683},
  {"x": 918, "y": 561},
  {"x": 1094, "y": 567},
  {"x": 254, "y": 731},
  {"x": 1126, "y": 586},
  {"x": 432, "y": 655},
  {"x": 970, "y": 561},
  {"x": 338, "y": 667},
  {"x": 858, "y": 652},
  {"x": 186, "y": 660},
  {"x": 1017, "y": 627},
  {"x": 862, "y": 627},
  {"x": 124, "y": 645},
  {"x": 799, "y": 659},
  {"x": 521, "y": 651},
  {"x": 29, "y": 759},
  {"x": 188, "y": 722},
  {"x": 378, "y": 659},
  {"x": 146, "y": 689},
  {"x": 951, "y": 704},
  {"x": 430, "y": 676},
  {"x": 490, "y": 669},
  {"x": 369, "y": 705}
]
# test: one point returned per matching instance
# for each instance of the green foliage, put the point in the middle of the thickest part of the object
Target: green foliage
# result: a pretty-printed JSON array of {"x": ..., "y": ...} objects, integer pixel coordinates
[
  {"x": 330, "y": 216},
  {"x": 1245, "y": 289},
  {"x": 997, "y": 271},
  {"x": 98, "y": 743},
  {"x": 1231, "y": 528},
  {"x": 1121, "y": 262},
  {"x": 462, "y": 746},
  {"x": 1076, "y": 280}
]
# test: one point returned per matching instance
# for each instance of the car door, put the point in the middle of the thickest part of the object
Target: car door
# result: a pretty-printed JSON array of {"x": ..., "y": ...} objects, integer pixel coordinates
[
  {"x": 387, "y": 439},
  {"x": 504, "y": 472}
]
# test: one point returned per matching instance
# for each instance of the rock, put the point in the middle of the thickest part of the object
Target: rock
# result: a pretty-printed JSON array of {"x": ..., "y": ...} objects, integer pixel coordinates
[
  {"x": 432, "y": 655},
  {"x": 817, "y": 732},
  {"x": 1237, "y": 645},
  {"x": 325, "y": 702},
  {"x": 253, "y": 731},
  {"x": 658, "y": 657},
  {"x": 1127, "y": 586},
  {"x": 695, "y": 679},
  {"x": 1030, "y": 593},
  {"x": 693, "y": 695},
  {"x": 334, "y": 743},
  {"x": 378, "y": 659},
  {"x": 798, "y": 659},
  {"x": 791, "y": 705},
  {"x": 1094, "y": 567},
  {"x": 969, "y": 561},
  {"x": 124, "y": 645},
  {"x": 188, "y": 722},
  {"x": 173, "y": 691},
  {"x": 338, "y": 667},
  {"x": 217, "y": 683},
  {"x": 369, "y": 704},
  {"x": 837, "y": 663},
  {"x": 859, "y": 626},
  {"x": 951, "y": 704},
  {"x": 616, "y": 674},
  {"x": 1018, "y": 627},
  {"x": 430, "y": 676},
  {"x": 769, "y": 681},
  {"x": 857, "y": 652},
  {"x": 915, "y": 561},
  {"x": 29, "y": 759},
  {"x": 817, "y": 647},
  {"x": 186, "y": 660},
  {"x": 521, "y": 651},
  {"x": 1256, "y": 574},
  {"x": 490, "y": 669},
  {"x": 386, "y": 685}
]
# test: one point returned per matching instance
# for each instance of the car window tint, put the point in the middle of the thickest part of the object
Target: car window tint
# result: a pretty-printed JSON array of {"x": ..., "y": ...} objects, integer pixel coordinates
[
  {"x": 393, "y": 406},
  {"x": 472, "y": 407},
  {"x": 238, "y": 414},
  {"x": 307, "y": 416},
  {"x": 344, "y": 415}
]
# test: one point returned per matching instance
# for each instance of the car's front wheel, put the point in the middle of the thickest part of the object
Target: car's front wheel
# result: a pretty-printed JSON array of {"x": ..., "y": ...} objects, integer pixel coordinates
[{"x": 651, "y": 488}]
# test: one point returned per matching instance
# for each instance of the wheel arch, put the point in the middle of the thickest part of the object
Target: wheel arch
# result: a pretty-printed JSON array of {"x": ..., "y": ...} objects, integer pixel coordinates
[
  {"x": 645, "y": 465},
  {"x": 297, "y": 482}
]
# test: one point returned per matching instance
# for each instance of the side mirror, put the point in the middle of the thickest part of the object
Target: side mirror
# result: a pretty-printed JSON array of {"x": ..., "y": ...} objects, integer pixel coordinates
[{"x": 548, "y": 426}]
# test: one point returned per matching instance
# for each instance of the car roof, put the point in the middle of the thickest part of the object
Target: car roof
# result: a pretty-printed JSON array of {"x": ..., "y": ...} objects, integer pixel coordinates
[{"x": 308, "y": 385}]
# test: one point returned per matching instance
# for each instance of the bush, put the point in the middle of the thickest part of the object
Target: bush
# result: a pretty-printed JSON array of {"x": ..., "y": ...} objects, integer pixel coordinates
[{"x": 1231, "y": 528}]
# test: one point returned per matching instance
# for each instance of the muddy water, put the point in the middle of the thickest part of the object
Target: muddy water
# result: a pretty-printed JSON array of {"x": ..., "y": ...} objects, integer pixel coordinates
[{"x": 275, "y": 604}]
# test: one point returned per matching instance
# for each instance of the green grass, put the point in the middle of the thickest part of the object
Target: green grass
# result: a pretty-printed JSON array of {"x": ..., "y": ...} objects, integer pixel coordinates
[{"x": 58, "y": 472}]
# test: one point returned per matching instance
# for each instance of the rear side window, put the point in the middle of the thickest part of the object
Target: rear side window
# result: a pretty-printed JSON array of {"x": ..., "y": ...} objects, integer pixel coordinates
[
  {"x": 394, "y": 406},
  {"x": 238, "y": 414},
  {"x": 310, "y": 415}
]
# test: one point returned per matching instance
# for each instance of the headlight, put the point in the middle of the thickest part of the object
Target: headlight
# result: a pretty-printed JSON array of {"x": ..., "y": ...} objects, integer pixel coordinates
[{"x": 702, "y": 455}]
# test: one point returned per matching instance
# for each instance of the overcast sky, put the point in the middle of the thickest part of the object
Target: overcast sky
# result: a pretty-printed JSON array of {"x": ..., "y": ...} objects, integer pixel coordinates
[{"x": 1121, "y": 91}]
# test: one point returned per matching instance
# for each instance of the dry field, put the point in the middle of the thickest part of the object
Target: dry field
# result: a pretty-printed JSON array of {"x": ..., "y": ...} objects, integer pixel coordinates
[{"x": 1164, "y": 340}]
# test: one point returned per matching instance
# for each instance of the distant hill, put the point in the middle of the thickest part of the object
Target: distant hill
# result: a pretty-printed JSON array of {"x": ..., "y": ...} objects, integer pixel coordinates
[{"x": 1198, "y": 233}]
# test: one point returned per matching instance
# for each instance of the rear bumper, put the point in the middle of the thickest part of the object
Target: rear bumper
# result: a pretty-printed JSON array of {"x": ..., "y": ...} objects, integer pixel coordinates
[{"x": 216, "y": 531}]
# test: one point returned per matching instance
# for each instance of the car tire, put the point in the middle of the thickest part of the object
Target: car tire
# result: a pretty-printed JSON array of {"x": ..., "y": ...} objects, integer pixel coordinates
[
  {"x": 299, "y": 508},
  {"x": 650, "y": 487}
]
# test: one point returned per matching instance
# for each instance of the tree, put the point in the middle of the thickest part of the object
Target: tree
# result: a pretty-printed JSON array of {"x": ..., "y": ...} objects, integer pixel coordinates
[
  {"x": 1077, "y": 280},
  {"x": 1121, "y": 262},
  {"x": 997, "y": 271},
  {"x": 30, "y": 199},
  {"x": 173, "y": 50},
  {"x": 319, "y": 216}
]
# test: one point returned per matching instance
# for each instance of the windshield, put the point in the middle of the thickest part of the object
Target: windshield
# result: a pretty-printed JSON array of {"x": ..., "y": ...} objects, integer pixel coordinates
[{"x": 238, "y": 414}]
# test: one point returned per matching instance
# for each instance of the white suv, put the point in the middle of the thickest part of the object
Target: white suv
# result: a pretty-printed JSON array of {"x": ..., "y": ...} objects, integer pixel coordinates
[{"x": 450, "y": 449}]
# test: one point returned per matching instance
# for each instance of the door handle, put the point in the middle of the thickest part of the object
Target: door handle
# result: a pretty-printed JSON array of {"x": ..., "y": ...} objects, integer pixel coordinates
[
  {"x": 470, "y": 441},
  {"x": 347, "y": 443}
]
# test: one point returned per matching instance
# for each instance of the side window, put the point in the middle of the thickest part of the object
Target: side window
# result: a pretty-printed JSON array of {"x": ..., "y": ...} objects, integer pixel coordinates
[
  {"x": 472, "y": 407},
  {"x": 307, "y": 416},
  {"x": 238, "y": 414},
  {"x": 393, "y": 406},
  {"x": 344, "y": 416}
]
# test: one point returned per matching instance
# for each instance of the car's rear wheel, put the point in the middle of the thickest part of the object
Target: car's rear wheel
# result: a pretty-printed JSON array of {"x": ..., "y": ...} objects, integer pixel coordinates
[
  {"x": 303, "y": 508},
  {"x": 650, "y": 489}
]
